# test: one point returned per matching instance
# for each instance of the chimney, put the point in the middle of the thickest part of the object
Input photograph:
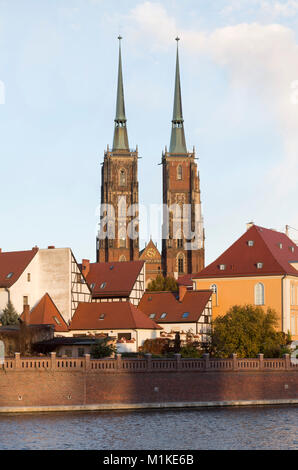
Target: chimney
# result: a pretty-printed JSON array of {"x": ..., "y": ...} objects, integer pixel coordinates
[
  {"x": 182, "y": 292},
  {"x": 26, "y": 314},
  {"x": 249, "y": 225},
  {"x": 51, "y": 247},
  {"x": 85, "y": 267}
]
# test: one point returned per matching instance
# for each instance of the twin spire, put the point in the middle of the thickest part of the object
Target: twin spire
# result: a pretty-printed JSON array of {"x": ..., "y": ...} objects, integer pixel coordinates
[{"x": 120, "y": 142}]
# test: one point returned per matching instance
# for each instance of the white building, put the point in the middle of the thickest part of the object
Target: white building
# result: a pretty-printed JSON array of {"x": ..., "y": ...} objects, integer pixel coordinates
[{"x": 26, "y": 276}]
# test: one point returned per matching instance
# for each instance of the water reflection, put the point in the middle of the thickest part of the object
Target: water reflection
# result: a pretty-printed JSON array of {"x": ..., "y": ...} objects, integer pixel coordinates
[{"x": 220, "y": 428}]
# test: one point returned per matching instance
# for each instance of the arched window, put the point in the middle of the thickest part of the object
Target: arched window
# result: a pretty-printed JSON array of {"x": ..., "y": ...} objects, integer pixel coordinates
[
  {"x": 214, "y": 290},
  {"x": 122, "y": 177},
  {"x": 259, "y": 294},
  {"x": 122, "y": 207},
  {"x": 180, "y": 264},
  {"x": 122, "y": 238},
  {"x": 179, "y": 172}
]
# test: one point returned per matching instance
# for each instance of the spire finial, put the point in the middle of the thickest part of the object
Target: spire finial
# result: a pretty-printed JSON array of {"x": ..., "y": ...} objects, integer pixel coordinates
[
  {"x": 120, "y": 134},
  {"x": 177, "y": 144}
]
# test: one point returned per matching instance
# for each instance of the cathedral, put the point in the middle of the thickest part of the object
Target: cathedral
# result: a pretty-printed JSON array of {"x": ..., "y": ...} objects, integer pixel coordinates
[{"x": 183, "y": 238}]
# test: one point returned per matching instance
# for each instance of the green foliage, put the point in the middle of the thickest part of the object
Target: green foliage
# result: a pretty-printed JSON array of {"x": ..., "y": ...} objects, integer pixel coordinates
[
  {"x": 162, "y": 283},
  {"x": 190, "y": 350},
  {"x": 247, "y": 331},
  {"x": 102, "y": 349},
  {"x": 9, "y": 315}
]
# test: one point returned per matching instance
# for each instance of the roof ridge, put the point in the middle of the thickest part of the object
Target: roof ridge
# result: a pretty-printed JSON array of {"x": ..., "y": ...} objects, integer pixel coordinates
[{"x": 268, "y": 246}]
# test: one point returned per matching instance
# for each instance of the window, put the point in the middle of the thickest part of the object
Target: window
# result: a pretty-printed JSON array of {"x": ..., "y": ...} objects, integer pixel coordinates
[
  {"x": 101, "y": 316},
  {"x": 293, "y": 300},
  {"x": 163, "y": 315},
  {"x": 68, "y": 352},
  {"x": 259, "y": 265},
  {"x": 25, "y": 300},
  {"x": 250, "y": 243},
  {"x": 92, "y": 285},
  {"x": 103, "y": 285},
  {"x": 206, "y": 319},
  {"x": 214, "y": 290},
  {"x": 122, "y": 258},
  {"x": 9, "y": 275},
  {"x": 185, "y": 314},
  {"x": 259, "y": 294},
  {"x": 180, "y": 243},
  {"x": 180, "y": 264},
  {"x": 28, "y": 277},
  {"x": 152, "y": 315},
  {"x": 222, "y": 267},
  {"x": 126, "y": 336},
  {"x": 81, "y": 352},
  {"x": 280, "y": 245},
  {"x": 122, "y": 178},
  {"x": 179, "y": 172},
  {"x": 122, "y": 238}
]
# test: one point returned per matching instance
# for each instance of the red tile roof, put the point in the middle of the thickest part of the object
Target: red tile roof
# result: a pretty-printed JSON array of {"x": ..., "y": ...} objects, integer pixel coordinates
[
  {"x": 193, "y": 303},
  {"x": 14, "y": 263},
  {"x": 116, "y": 316},
  {"x": 46, "y": 313},
  {"x": 185, "y": 280},
  {"x": 113, "y": 279},
  {"x": 274, "y": 249}
]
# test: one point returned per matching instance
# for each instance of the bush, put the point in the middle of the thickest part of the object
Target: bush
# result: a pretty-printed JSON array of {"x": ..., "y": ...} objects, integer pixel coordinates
[
  {"x": 247, "y": 331},
  {"x": 157, "y": 346},
  {"x": 190, "y": 350},
  {"x": 101, "y": 348}
]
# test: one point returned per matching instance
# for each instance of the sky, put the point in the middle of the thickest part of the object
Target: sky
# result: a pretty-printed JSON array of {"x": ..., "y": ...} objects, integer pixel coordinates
[{"x": 58, "y": 78}]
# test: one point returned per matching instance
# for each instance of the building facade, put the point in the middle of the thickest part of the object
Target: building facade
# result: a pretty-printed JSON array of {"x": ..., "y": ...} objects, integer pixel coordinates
[
  {"x": 183, "y": 232},
  {"x": 260, "y": 268},
  {"x": 118, "y": 238}
]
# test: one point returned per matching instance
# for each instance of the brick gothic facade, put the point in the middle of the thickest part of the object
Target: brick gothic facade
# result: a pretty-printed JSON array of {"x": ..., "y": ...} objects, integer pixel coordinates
[
  {"x": 120, "y": 190},
  {"x": 181, "y": 185}
]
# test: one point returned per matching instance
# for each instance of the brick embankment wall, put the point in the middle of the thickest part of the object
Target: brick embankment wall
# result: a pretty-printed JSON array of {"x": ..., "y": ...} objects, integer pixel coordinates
[{"x": 117, "y": 382}]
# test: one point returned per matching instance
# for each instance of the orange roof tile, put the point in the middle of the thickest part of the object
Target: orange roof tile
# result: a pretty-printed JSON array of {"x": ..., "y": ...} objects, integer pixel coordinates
[
  {"x": 158, "y": 303},
  {"x": 109, "y": 316},
  {"x": 271, "y": 248},
  {"x": 13, "y": 264},
  {"x": 113, "y": 279},
  {"x": 46, "y": 313}
]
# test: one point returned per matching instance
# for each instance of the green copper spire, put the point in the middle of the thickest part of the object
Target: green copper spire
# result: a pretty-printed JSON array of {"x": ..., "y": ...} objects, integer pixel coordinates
[
  {"x": 177, "y": 144},
  {"x": 120, "y": 133}
]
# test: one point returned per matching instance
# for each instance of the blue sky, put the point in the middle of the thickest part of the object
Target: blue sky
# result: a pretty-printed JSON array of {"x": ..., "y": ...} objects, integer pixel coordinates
[{"x": 58, "y": 64}]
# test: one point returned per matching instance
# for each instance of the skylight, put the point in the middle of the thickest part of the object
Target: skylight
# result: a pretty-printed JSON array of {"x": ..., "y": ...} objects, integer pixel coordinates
[
  {"x": 163, "y": 315},
  {"x": 185, "y": 314},
  {"x": 222, "y": 267},
  {"x": 152, "y": 315},
  {"x": 102, "y": 315},
  {"x": 259, "y": 265},
  {"x": 250, "y": 243},
  {"x": 9, "y": 275},
  {"x": 103, "y": 285}
]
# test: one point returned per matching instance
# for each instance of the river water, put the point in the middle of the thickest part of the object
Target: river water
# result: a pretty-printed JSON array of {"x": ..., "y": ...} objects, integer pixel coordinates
[{"x": 200, "y": 429}]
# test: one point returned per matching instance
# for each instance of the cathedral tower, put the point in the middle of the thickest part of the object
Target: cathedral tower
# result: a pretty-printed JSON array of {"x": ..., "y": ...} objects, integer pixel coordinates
[
  {"x": 183, "y": 233},
  {"x": 118, "y": 238}
]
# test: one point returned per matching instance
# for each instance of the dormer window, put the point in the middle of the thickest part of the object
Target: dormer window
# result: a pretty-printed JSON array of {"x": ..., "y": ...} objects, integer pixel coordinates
[
  {"x": 250, "y": 243},
  {"x": 292, "y": 249},
  {"x": 259, "y": 265},
  {"x": 280, "y": 245},
  {"x": 222, "y": 267}
]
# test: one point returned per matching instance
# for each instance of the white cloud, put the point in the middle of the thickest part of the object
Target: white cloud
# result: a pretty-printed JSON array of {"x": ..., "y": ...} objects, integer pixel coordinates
[
  {"x": 263, "y": 59},
  {"x": 272, "y": 9}
]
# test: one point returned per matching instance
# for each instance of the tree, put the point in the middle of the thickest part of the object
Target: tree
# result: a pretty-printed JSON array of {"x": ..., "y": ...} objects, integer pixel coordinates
[
  {"x": 162, "y": 283},
  {"x": 247, "y": 331},
  {"x": 9, "y": 315},
  {"x": 177, "y": 342},
  {"x": 102, "y": 348}
]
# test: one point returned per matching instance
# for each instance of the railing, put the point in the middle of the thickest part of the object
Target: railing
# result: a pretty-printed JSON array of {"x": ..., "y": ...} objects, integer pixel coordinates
[{"x": 147, "y": 364}]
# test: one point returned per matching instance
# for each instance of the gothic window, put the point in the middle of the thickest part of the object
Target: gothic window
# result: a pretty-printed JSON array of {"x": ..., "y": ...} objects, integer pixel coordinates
[
  {"x": 180, "y": 264},
  {"x": 122, "y": 177},
  {"x": 122, "y": 238},
  {"x": 179, "y": 172},
  {"x": 179, "y": 243},
  {"x": 259, "y": 294},
  {"x": 122, "y": 207}
]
